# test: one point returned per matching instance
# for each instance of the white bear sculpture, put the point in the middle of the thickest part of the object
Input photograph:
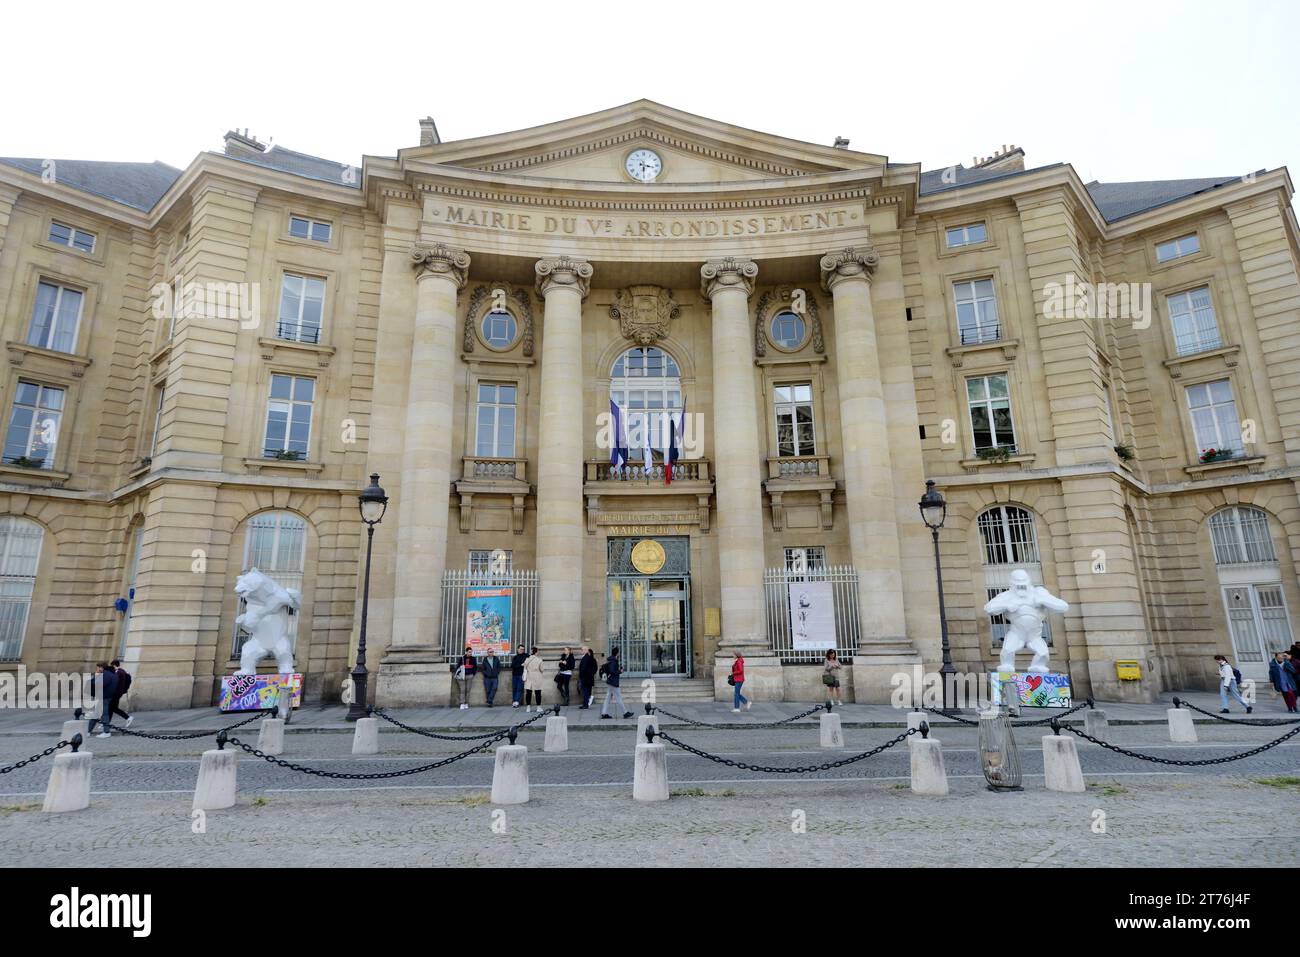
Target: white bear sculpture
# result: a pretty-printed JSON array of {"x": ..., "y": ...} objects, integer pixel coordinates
[
  {"x": 1024, "y": 605},
  {"x": 266, "y": 619}
]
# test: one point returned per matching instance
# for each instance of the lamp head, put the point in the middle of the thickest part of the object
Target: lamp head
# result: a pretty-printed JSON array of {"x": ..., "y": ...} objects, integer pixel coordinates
[
  {"x": 373, "y": 502},
  {"x": 933, "y": 508}
]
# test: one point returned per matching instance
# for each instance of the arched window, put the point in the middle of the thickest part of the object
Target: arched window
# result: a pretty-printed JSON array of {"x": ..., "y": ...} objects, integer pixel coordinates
[
  {"x": 1251, "y": 582},
  {"x": 1009, "y": 542},
  {"x": 275, "y": 544},
  {"x": 646, "y": 382},
  {"x": 20, "y": 553}
]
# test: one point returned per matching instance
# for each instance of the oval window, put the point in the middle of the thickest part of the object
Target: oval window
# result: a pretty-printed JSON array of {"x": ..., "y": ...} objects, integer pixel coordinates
[
  {"x": 787, "y": 330},
  {"x": 499, "y": 329}
]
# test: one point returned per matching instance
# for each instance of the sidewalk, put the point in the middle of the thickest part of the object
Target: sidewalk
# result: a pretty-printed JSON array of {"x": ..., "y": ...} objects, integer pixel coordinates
[{"x": 331, "y": 718}]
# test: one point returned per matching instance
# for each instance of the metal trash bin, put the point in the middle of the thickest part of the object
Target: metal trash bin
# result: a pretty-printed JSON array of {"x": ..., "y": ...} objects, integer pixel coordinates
[{"x": 999, "y": 757}]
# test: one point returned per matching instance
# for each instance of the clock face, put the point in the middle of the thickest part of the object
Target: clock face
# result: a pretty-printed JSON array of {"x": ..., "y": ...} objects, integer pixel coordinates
[{"x": 643, "y": 165}]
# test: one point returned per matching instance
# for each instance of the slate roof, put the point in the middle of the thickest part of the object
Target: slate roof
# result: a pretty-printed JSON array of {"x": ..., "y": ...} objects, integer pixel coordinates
[
  {"x": 1118, "y": 200},
  {"x": 934, "y": 181},
  {"x": 139, "y": 185},
  {"x": 304, "y": 164}
]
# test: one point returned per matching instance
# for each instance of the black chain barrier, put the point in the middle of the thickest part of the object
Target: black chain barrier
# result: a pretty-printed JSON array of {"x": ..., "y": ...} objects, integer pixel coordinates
[
  {"x": 549, "y": 712},
  {"x": 1015, "y": 724},
  {"x": 44, "y": 754},
  {"x": 1251, "y": 722},
  {"x": 810, "y": 769},
  {"x": 1180, "y": 762},
  {"x": 739, "y": 726},
  {"x": 185, "y": 736}
]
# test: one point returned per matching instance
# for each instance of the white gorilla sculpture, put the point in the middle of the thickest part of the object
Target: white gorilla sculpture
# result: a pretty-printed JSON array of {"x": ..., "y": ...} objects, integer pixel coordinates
[
  {"x": 266, "y": 619},
  {"x": 1024, "y": 605}
]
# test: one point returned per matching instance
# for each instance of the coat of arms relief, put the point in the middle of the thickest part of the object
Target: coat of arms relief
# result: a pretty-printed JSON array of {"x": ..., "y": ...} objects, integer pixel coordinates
[{"x": 644, "y": 313}]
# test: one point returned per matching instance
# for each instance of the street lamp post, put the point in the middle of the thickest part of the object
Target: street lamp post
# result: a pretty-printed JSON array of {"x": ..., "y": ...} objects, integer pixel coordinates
[
  {"x": 933, "y": 512},
  {"x": 373, "y": 504}
]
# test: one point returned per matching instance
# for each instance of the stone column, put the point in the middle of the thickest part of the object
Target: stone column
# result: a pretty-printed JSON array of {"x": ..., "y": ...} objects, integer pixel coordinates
[
  {"x": 563, "y": 283},
  {"x": 883, "y": 645},
  {"x": 414, "y": 671},
  {"x": 738, "y": 470}
]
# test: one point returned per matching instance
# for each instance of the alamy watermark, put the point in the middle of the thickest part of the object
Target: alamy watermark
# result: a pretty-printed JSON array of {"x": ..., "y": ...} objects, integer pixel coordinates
[
  {"x": 60, "y": 690},
  {"x": 1121, "y": 301}
]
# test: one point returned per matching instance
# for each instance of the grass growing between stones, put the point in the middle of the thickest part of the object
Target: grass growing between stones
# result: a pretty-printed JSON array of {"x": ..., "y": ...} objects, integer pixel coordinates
[
  {"x": 1109, "y": 788},
  {"x": 1285, "y": 781},
  {"x": 260, "y": 802},
  {"x": 701, "y": 793},
  {"x": 8, "y": 809}
]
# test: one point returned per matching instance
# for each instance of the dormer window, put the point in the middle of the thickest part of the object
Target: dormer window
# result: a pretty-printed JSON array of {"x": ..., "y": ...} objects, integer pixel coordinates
[
  {"x": 72, "y": 237},
  {"x": 312, "y": 229},
  {"x": 968, "y": 235},
  {"x": 1177, "y": 248}
]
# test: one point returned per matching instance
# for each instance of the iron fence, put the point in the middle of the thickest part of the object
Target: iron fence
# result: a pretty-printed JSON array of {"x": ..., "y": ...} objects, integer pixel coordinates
[
  {"x": 782, "y": 626},
  {"x": 457, "y": 584}
]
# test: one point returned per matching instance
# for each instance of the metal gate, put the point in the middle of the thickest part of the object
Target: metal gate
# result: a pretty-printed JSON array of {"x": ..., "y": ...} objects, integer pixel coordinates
[
  {"x": 843, "y": 580},
  {"x": 458, "y": 583}
]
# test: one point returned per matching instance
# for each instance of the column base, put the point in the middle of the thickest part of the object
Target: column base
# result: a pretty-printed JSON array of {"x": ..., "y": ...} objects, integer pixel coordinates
[
  {"x": 412, "y": 679},
  {"x": 874, "y": 670},
  {"x": 764, "y": 676}
]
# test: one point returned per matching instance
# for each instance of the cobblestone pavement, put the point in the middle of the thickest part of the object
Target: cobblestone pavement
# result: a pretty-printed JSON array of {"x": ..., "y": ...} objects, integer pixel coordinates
[{"x": 581, "y": 811}]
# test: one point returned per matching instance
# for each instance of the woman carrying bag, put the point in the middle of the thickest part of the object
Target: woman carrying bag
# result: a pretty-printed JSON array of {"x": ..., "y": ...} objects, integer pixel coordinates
[
  {"x": 565, "y": 675},
  {"x": 831, "y": 677},
  {"x": 533, "y": 680}
]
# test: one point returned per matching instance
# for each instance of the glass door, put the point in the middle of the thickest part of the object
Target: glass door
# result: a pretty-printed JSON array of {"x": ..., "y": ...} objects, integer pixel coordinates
[
  {"x": 648, "y": 620},
  {"x": 669, "y": 628}
]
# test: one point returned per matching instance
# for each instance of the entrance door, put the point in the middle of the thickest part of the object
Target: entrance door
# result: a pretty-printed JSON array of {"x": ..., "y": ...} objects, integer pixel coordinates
[
  {"x": 668, "y": 627},
  {"x": 649, "y": 622},
  {"x": 1258, "y": 623}
]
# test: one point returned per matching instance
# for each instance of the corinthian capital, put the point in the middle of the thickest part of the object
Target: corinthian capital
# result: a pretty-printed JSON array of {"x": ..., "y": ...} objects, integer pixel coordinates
[
  {"x": 560, "y": 271},
  {"x": 728, "y": 273},
  {"x": 440, "y": 260},
  {"x": 850, "y": 263}
]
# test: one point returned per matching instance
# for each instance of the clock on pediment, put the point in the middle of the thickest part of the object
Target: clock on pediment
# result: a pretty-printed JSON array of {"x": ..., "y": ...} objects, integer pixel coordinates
[{"x": 643, "y": 165}]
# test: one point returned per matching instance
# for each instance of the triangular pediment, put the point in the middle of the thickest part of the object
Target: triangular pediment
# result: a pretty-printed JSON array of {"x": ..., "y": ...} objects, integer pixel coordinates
[{"x": 594, "y": 148}]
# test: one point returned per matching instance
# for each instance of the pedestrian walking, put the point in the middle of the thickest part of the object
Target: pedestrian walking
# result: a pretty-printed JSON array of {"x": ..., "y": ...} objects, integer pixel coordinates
[
  {"x": 612, "y": 668},
  {"x": 737, "y": 680},
  {"x": 587, "y": 677},
  {"x": 490, "y": 666},
  {"x": 1282, "y": 675},
  {"x": 102, "y": 685},
  {"x": 517, "y": 677},
  {"x": 1228, "y": 684},
  {"x": 831, "y": 677},
  {"x": 466, "y": 668},
  {"x": 565, "y": 675},
  {"x": 533, "y": 680},
  {"x": 123, "y": 686}
]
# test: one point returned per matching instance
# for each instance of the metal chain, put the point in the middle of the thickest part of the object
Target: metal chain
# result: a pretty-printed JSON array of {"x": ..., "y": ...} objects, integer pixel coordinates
[
  {"x": 34, "y": 758},
  {"x": 375, "y": 776},
  {"x": 738, "y": 727},
  {"x": 811, "y": 769},
  {"x": 1015, "y": 724},
  {"x": 1202, "y": 762},
  {"x": 953, "y": 717},
  {"x": 453, "y": 737},
  {"x": 180, "y": 737},
  {"x": 1252, "y": 722}
]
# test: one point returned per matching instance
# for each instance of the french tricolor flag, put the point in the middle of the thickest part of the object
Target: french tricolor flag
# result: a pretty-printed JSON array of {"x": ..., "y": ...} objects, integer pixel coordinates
[
  {"x": 673, "y": 443},
  {"x": 618, "y": 451}
]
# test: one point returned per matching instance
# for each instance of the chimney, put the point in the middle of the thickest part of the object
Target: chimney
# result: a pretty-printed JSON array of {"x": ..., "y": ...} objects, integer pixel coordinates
[
  {"x": 841, "y": 143},
  {"x": 241, "y": 144},
  {"x": 1008, "y": 158},
  {"x": 429, "y": 132}
]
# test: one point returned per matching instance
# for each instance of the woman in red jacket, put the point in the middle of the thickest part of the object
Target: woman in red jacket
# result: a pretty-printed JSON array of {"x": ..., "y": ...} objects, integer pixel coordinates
[{"x": 738, "y": 679}]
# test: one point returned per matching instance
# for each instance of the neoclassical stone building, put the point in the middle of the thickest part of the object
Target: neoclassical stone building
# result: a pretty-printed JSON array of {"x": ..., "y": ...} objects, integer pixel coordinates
[{"x": 205, "y": 365}]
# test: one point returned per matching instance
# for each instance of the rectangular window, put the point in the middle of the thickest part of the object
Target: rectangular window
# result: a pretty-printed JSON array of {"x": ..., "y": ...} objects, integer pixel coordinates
[
  {"x": 157, "y": 421},
  {"x": 55, "y": 318},
  {"x": 795, "y": 434},
  {"x": 302, "y": 303},
  {"x": 977, "y": 311},
  {"x": 1176, "y": 248},
  {"x": 34, "y": 425},
  {"x": 967, "y": 235},
  {"x": 495, "y": 436},
  {"x": 1214, "y": 417},
  {"x": 481, "y": 563},
  {"x": 1192, "y": 315},
  {"x": 72, "y": 237},
  {"x": 288, "y": 417},
  {"x": 808, "y": 558},
  {"x": 990, "y": 412},
  {"x": 313, "y": 229}
]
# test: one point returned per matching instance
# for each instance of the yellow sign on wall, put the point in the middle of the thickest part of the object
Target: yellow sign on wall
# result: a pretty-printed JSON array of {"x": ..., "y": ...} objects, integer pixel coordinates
[
  {"x": 1128, "y": 671},
  {"x": 712, "y": 622}
]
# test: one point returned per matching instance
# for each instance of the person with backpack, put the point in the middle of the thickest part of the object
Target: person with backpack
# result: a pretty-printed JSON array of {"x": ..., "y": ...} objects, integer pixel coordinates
[
  {"x": 612, "y": 669},
  {"x": 586, "y": 678},
  {"x": 1229, "y": 683},
  {"x": 737, "y": 680},
  {"x": 517, "y": 676},
  {"x": 1282, "y": 675},
  {"x": 123, "y": 686},
  {"x": 103, "y": 684},
  {"x": 491, "y": 668}
]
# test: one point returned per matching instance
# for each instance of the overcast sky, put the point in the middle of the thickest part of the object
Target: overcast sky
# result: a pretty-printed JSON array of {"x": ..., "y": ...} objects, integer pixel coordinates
[{"x": 1124, "y": 91}]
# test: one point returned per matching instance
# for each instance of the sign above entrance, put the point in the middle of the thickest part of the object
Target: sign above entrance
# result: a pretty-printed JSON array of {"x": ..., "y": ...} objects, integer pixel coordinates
[{"x": 648, "y": 556}]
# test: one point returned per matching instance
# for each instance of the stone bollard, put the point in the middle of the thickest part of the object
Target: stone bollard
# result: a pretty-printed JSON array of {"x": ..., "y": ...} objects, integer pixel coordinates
[
  {"x": 832, "y": 737},
  {"x": 644, "y": 721},
  {"x": 69, "y": 785},
  {"x": 1094, "y": 723},
  {"x": 1181, "y": 728},
  {"x": 74, "y": 727},
  {"x": 270, "y": 738},
  {"x": 928, "y": 773},
  {"x": 1061, "y": 764},
  {"x": 366, "y": 738},
  {"x": 216, "y": 786},
  {"x": 510, "y": 774},
  {"x": 557, "y": 733},
  {"x": 914, "y": 720},
  {"x": 650, "y": 773}
]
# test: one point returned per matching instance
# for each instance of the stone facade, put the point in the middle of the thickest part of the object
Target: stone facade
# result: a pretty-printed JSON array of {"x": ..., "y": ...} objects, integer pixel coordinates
[{"x": 163, "y": 465}]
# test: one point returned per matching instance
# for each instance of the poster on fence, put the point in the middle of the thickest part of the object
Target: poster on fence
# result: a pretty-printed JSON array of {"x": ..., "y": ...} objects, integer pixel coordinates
[
  {"x": 812, "y": 616},
  {"x": 258, "y": 692},
  {"x": 1037, "y": 690},
  {"x": 487, "y": 620}
]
